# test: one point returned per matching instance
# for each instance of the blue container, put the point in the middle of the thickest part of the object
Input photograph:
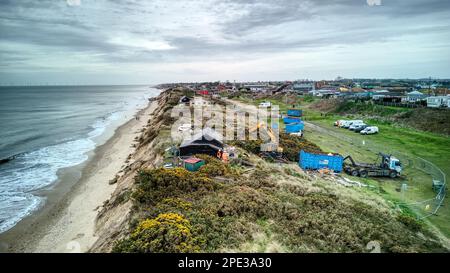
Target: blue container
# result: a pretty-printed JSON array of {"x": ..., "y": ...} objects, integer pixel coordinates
[
  {"x": 288, "y": 120},
  {"x": 320, "y": 161},
  {"x": 294, "y": 128},
  {"x": 294, "y": 112}
]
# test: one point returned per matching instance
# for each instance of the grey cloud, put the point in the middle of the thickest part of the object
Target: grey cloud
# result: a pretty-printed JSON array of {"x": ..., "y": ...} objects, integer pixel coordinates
[
  {"x": 49, "y": 26},
  {"x": 283, "y": 11}
]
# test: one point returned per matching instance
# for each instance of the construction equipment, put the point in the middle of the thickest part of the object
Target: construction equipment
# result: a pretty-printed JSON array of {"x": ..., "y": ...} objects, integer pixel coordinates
[
  {"x": 269, "y": 150},
  {"x": 294, "y": 112},
  {"x": 310, "y": 161},
  {"x": 388, "y": 167}
]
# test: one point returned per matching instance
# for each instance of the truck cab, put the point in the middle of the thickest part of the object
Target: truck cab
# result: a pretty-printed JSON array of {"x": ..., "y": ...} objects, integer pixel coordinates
[{"x": 393, "y": 163}]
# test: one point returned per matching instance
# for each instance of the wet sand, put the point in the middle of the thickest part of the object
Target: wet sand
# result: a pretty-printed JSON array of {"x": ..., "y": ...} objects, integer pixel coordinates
[{"x": 66, "y": 223}]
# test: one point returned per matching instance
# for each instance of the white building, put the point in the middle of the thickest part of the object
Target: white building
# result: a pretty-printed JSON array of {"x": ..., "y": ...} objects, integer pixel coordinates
[
  {"x": 438, "y": 101},
  {"x": 414, "y": 96},
  {"x": 256, "y": 87}
]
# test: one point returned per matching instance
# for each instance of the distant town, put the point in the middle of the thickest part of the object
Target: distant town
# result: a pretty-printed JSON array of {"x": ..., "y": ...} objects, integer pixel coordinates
[{"x": 412, "y": 93}]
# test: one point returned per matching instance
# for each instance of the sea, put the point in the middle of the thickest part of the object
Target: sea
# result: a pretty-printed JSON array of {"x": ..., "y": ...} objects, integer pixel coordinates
[{"x": 46, "y": 128}]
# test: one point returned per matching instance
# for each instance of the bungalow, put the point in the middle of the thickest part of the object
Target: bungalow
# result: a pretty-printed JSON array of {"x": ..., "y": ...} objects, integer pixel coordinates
[
  {"x": 207, "y": 142},
  {"x": 357, "y": 90},
  {"x": 325, "y": 93},
  {"x": 386, "y": 96},
  {"x": 303, "y": 87},
  {"x": 414, "y": 96}
]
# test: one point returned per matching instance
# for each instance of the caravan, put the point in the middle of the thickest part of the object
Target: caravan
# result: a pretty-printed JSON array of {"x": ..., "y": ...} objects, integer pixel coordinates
[{"x": 438, "y": 101}]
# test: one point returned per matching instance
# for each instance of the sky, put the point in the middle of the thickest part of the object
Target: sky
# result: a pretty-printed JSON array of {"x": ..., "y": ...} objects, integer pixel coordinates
[{"x": 156, "y": 41}]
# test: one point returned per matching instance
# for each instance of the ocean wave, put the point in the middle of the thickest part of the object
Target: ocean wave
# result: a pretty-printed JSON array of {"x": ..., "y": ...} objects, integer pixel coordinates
[
  {"x": 31, "y": 171},
  {"x": 16, "y": 206}
]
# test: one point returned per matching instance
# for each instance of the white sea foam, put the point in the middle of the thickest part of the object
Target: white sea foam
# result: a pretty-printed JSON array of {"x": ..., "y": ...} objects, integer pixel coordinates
[{"x": 37, "y": 169}]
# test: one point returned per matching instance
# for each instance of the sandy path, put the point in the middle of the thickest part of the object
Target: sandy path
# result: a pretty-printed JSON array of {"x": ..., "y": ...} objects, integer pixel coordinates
[{"x": 74, "y": 227}]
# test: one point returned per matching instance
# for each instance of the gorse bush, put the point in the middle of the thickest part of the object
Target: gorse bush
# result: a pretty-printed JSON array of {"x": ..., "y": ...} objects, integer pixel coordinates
[
  {"x": 252, "y": 146},
  {"x": 411, "y": 222},
  {"x": 239, "y": 200},
  {"x": 292, "y": 145},
  {"x": 169, "y": 232},
  {"x": 213, "y": 167},
  {"x": 156, "y": 184}
]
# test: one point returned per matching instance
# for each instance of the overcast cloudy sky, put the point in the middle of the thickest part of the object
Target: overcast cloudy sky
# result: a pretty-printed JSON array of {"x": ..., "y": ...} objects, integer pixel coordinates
[{"x": 125, "y": 41}]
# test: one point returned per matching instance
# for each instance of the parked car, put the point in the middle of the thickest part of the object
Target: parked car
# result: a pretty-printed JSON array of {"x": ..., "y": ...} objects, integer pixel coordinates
[
  {"x": 355, "y": 125},
  {"x": 359, "y": 128},
  {"x": 369, "y": 130}
]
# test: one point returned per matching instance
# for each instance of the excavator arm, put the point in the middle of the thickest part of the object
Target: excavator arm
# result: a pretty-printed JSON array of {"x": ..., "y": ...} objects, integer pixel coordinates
[{"x": 270, "y": 147}]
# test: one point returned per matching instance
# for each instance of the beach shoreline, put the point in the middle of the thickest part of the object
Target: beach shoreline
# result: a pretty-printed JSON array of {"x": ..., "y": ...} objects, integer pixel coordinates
[{"x": 66, "y": 222}]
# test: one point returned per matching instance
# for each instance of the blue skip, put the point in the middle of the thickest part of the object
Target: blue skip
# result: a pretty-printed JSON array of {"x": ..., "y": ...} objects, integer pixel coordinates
[
  {"x": 294, "y": 112},
  {"x": 289, "y": 120},
  {"x": 310, "y": 161},
  {"x": 294, "y": 128}
]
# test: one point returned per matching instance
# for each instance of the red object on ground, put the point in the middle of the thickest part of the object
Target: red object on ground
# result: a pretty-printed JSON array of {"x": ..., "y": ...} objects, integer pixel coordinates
[{"x": 192, "y": 160}]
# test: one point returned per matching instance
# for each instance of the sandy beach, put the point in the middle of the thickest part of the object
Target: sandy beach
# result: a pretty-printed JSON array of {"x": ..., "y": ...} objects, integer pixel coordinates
[{"x": 68, "y": 224}]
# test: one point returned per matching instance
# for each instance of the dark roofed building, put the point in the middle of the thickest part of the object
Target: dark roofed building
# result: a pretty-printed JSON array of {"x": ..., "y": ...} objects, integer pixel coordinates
[
  {"x": 207, "y": 142},
  {"x": 185, "y": 99}
]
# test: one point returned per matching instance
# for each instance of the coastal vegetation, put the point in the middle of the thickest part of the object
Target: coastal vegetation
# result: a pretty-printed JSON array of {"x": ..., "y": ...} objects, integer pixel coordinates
[
  {"x": 179, "y": 211},
  {"x": 264, "y": 208}
]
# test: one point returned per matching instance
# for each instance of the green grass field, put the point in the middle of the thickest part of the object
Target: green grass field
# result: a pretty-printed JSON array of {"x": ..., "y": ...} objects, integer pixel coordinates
[{"x": 392, "y": 139}]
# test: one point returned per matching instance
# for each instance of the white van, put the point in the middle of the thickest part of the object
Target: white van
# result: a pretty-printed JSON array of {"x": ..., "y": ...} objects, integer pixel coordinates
[
  {"x": 370, "y": 130},
  {"x": 344, "y": 123},
  {"x": 265, "y": 104},
  {"x": 351, "y": 122},
  {"x": 355, "y": 125}
]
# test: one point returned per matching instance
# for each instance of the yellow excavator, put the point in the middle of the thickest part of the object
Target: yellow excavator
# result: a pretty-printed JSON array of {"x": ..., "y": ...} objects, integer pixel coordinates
[{"x": 271, "y": 149}]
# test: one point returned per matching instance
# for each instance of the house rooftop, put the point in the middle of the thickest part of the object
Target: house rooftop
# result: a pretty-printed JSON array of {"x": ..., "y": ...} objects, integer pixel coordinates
[
  {"x": 207, "y": 133},
  {"x": 192, "y": 160}
]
